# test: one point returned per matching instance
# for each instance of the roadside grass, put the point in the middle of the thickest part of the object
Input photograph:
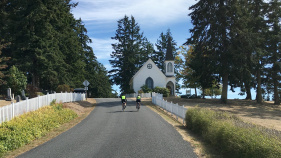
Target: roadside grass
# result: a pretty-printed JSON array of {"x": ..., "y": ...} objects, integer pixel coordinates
[
  {"x": 232, "y": 136},
  {"x": 31, "y": 126}
]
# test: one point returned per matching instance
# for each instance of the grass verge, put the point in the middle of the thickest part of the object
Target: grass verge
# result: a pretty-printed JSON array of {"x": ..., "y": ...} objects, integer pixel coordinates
[
  {"x": 231, "y": 136},
  {"x": 33, "y": 125}
]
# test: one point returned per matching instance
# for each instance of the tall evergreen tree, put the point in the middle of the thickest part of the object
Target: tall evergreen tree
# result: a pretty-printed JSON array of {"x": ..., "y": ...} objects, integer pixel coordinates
[
  {"x": 161, "y": 45},
  {"x": 258, "y": 29},
  {"x": 274, "y": 45},
  {"x": 48, "y": 44},
  {"x": 211, "y": 31},
  {"x": 127, "y": 50},
  {"x": 241, "y": 39},
  {"x": 33, "y": 38},
  {"x": 3, "y": 65}
]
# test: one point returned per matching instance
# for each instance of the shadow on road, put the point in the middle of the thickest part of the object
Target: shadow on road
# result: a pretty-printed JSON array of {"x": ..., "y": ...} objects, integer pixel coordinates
[{"x": 122, "y": 111}]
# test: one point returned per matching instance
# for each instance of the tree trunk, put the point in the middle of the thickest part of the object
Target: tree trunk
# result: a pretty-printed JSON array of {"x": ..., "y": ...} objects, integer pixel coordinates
[
  {"x": 276, "y": 95},
  {"x": 203, "y": 93},
  {"x": 275, "y": 83},
  {"x": 248, "y": 91},
  {"x": 195, "y": 91},
  {"x": 259, "y": 95},
  {"x": 224, "y": 88},
  {"x": 35, "y": 81}
]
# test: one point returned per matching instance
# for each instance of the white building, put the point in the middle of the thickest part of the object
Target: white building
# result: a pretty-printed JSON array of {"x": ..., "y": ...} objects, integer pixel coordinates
[{"x": 150, "y": 75}]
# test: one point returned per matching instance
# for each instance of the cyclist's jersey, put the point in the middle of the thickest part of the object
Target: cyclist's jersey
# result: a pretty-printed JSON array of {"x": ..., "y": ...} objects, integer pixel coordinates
[
  {"x": 123, "y": 99},
  {"x": 138, "y": 98}
]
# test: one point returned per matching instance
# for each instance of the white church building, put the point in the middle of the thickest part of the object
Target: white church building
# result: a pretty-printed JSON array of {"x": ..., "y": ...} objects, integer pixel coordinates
[{"x": 151, "y": 76}]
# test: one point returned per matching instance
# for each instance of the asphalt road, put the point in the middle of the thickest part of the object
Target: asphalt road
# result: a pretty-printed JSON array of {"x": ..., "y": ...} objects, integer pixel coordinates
[{"x": 109, "y": 132}]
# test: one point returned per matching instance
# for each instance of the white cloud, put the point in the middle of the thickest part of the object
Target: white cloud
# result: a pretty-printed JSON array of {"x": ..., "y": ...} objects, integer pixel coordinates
[
  {"x": 146, "y": 12},
  {"x": 107, "y": 66},
  {"x": 102, "y": 47}
]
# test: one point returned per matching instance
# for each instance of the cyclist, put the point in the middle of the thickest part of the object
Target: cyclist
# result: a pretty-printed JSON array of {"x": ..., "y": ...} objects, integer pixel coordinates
[
  {"x": 138, "y": 100},
  {"x": 123, "y": 100}
]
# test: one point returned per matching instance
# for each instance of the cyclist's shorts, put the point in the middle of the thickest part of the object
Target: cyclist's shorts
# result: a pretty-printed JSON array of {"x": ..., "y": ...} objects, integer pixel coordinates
[
  {"x": 123, "y": 100},
  {"x": 138, "y": 100}
]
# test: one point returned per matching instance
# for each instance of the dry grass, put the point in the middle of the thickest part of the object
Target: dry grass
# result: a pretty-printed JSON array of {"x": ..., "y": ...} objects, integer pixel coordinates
[{"x": 266, "y": 114}]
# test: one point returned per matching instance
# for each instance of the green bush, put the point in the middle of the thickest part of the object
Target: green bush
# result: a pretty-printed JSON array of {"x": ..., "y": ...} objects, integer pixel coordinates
[
  {"x": 63, "y": 88},
  {"x": 164, "y": 91},
  {"x": 27, "y": 127},
  {"x": 32, "y": 91},
  {"x": 145, "y": 89},
  {"x": 231, "y": 136}
]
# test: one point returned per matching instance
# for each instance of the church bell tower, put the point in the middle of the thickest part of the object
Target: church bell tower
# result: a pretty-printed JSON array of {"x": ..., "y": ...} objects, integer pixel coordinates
[{"x": 169, "y": 61}]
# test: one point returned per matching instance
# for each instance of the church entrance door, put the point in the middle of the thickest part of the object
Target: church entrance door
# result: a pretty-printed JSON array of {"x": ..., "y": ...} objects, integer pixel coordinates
[{"x": 170, "y": 86}]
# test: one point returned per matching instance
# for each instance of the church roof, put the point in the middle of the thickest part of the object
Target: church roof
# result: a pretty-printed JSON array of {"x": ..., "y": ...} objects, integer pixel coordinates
[{"x": 169, "y": 53}]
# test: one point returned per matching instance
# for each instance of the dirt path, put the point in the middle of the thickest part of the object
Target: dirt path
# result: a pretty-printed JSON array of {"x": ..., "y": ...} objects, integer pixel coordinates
[{"x": 267, "y": 114}]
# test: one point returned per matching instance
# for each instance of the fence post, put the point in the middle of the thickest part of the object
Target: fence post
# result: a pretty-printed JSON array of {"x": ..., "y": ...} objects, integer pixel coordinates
[
  {"x": 13, "y": 109},
  {"x": 48, "y": 99},
  {"x": 177, "y": 109},
  {"x": 7, "y": 114},
  {"x": 2, "y": 114},
  {"x": 26, "y": 101},
  {"x": 172, "y": 112},
  {"x": 54, "y": 96},
  {"x": 38, "y": 97},
  {"x": 183, "y": 115}
]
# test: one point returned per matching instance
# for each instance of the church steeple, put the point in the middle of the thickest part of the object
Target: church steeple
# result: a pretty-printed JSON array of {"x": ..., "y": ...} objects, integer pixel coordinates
[
  {"x": 169, "y": 53},
  {"x": 169, "y": 60}
]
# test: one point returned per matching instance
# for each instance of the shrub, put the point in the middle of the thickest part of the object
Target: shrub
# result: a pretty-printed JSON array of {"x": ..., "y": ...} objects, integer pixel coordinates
[
  {"x": 164, "y": 91},
  {"x": 145, "y": 89},
  {"x": 63, "y": 88},
  {"x": 232, "y": 136},
  {"x": 25, "y": 128},
  {"x": 31, "y": 91}
]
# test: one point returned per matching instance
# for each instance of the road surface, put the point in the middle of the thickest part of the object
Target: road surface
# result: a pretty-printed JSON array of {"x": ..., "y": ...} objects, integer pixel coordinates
[{"x": 109, "y": 132}]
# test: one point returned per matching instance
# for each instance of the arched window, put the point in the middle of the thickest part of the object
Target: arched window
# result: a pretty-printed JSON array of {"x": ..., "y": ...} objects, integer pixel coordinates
[
  {"x": 170, "y": 67},
  {"x": 149, "y": 82}
]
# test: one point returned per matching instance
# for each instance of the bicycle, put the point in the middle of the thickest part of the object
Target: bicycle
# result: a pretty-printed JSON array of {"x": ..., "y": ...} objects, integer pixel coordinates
[
  {"x": 138, "y": 106},
  {"x": 123, "y": 106}
]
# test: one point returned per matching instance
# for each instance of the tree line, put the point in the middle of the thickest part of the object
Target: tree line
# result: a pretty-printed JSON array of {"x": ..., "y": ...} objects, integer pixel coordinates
[
  {"x": 45, "y": 45},
  {"x": 236, "y": 43},
  {"x": 233, "y": 43}
]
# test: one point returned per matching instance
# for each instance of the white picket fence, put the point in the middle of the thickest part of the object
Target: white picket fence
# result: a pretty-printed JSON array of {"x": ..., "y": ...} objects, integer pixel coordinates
[
  {"x": 175, "y": 109},
  {"x": 15, "y": 109},
  {"x": 134, "y": 95}
]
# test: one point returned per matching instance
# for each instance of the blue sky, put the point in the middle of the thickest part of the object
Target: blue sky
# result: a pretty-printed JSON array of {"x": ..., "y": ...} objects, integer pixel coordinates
[{"x": 153, "y": 16}]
